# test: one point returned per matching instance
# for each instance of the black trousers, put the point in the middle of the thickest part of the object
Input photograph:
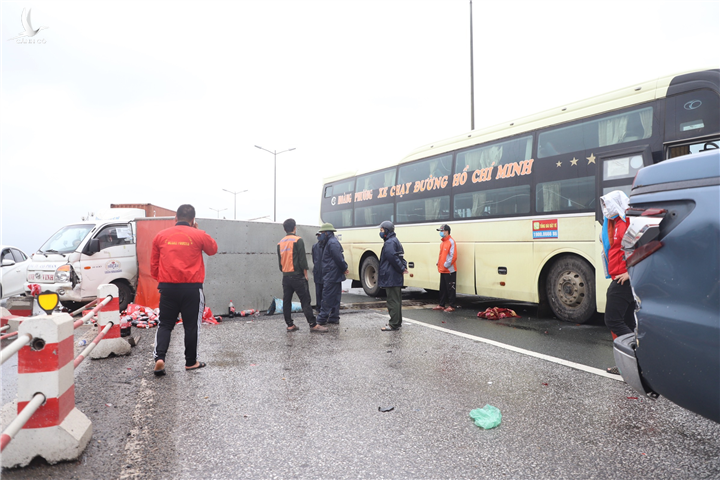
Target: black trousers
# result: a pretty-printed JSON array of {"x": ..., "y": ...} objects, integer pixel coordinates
[
  {"x": 620, "y": 308},
  {"x": 447, "y": 289},
  {"x": 296, "y": 284},
  {"x": 188, "y": 301},
  {"x": 318, "y": 295}
]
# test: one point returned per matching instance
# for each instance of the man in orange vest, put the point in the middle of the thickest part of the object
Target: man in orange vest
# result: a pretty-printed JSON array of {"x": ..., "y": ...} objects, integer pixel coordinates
[
  {"x": 447, "y": 269},
  {"x": 293, "y": 265}
]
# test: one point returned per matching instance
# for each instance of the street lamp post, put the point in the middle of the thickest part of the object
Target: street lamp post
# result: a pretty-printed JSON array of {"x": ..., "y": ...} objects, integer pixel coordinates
[
  {"x": 235, "y": 208},
  {"x": 218, "y": 210},
  {"x": 472, "y": 76},
  {"x": 275, "y": 153}
]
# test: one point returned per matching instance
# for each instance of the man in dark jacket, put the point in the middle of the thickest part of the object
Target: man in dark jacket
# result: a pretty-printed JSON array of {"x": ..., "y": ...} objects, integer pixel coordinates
[
  {"x": 334, "y": 269},
  {"x": 293, "y": 265},
  {"x": 176, "y": 262},
  {"x": 392, "y": 268},
  {"x": 317, "y": 251}
]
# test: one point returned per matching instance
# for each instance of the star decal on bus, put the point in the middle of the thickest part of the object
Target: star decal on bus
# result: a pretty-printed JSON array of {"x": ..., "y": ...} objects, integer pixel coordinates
[
  {"x": 573, "y": 161},
  {"x": 558, "y": 164},
  {"x": 591, "y": 159}
]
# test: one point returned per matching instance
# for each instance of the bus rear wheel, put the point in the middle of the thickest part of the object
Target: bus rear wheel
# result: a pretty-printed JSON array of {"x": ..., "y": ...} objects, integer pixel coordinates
[
  {"x": 369, "y": 276},
  {"x": 570, "y": 289}
]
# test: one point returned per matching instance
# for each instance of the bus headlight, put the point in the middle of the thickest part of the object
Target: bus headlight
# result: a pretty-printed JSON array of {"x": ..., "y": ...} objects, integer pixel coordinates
[{"x": 62, "y": 274}]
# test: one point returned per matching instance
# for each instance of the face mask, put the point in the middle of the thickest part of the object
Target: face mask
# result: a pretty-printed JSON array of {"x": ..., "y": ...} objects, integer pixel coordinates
[
  {"x": 442, "y": 234},
  {"x": 382, "y": 235}
]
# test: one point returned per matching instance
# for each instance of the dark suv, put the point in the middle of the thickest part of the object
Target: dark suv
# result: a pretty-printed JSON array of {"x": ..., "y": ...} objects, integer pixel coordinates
[{"x": 672, "y": 251}]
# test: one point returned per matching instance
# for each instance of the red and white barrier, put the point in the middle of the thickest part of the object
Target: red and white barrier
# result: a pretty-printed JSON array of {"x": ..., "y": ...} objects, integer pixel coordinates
[
  {"x": 111, "y": 343},
  {"x": 12, "y": 318},
  {"x": 57, "y": 431}
]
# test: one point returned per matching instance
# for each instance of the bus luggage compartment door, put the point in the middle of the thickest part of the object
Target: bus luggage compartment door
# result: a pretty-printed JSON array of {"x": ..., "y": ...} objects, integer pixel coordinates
[{"x": 504, "y": 270}]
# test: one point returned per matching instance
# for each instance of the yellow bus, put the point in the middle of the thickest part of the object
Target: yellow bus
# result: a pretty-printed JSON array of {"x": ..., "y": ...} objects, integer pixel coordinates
[{"x": 522, "y": 198}]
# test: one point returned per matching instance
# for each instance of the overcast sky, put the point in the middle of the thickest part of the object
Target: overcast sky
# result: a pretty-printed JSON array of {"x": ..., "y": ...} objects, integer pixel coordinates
[{"x": 163, "y": 102}]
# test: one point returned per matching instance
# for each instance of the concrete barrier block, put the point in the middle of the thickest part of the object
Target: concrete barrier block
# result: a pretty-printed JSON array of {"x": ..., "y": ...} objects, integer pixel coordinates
[
  {"x": 111, "y": 346},
  {"x": 112, "y": 343},
  {"x": 55, "y": 444}
]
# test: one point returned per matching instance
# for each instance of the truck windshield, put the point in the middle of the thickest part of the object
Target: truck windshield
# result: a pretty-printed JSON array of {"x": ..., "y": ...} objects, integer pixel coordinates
[{"x": 67, "y": 239}]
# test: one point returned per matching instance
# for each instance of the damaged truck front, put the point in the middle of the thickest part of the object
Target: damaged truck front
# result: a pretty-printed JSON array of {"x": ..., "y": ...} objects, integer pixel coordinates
[{"x": 81, "y": 256}]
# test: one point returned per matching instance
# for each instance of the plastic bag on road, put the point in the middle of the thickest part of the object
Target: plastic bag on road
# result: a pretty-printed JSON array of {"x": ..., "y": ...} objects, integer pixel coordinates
[
  {"x": 277, "y": 307},
  {"x": 487, "y": 417}
]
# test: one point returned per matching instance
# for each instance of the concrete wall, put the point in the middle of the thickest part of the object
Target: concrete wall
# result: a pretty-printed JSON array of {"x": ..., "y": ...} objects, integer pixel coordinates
[{"x": 245, "y": 269}]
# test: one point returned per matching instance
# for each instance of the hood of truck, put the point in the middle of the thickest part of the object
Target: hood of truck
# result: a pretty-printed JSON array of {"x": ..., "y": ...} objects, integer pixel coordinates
[{"x": 46, "y": 266}]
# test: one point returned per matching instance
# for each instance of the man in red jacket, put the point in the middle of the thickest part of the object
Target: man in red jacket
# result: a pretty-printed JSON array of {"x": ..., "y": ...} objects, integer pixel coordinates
[
  {"x": 177, "y": 264},
  {"x": 448, "y": 271}
]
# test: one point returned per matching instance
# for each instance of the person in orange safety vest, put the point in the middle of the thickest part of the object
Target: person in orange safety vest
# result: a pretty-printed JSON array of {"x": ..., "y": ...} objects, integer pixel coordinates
[{"x": 448, "y": 271}]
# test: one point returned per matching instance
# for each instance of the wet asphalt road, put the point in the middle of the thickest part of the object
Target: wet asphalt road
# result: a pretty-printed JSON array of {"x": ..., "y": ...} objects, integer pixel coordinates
[{"x": 305, "y": 405}]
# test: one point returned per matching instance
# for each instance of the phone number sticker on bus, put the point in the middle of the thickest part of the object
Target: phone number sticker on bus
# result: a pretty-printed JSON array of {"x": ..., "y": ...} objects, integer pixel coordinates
[{"x": 545, "y": 229}]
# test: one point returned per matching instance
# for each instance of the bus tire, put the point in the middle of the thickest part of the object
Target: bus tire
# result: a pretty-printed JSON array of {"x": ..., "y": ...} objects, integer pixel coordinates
[
  {"x": 125, "y": 295},
  {"x": 369, "y": 271},
  {"x": 570, "y": 289}
]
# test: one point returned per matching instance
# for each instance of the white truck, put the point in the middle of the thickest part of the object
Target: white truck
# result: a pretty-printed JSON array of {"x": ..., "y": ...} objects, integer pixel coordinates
[{"x": 81, "y": 256}]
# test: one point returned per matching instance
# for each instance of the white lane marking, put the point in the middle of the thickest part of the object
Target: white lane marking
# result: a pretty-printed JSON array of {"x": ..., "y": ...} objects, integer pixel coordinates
[{"x": 560, "y": 361}]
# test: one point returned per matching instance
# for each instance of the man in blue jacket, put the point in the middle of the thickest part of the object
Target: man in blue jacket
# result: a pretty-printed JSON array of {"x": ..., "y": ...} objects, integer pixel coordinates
[
  {"x": 317, "y": 251},
  {"x": 392, "y": 268},
  {"x": 334, "y": 269}
]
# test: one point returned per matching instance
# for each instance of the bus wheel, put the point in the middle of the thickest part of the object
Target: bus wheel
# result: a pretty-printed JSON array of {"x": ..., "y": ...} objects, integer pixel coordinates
[
  {"x": 125, "y": 295},
  {"x": 571, "y": 289},
  {"x": 369, "y": 276}
]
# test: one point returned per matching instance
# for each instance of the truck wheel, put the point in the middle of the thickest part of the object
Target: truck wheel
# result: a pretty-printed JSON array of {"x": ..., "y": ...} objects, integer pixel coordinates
[
  {"x": 369, "y": 276},
  {"x": 570, "y": 289},
  {"x": 125, "y": 295},
  {"x": 72, "y": 306}
]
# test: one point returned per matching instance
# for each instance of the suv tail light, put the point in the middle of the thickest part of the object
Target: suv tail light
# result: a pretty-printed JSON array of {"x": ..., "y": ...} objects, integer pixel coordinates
[
  {"x": 640, "y": 240},
  {"x": 642, "y": 253}
]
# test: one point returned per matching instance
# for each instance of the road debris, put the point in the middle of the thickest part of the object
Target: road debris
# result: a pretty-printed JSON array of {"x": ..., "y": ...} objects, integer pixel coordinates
[
  {"x": 496, "y": 313},
  {"x": 487, "y": 417}
]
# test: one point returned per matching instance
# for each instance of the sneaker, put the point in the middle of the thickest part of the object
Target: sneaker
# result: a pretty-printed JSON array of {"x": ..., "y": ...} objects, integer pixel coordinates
[
  {"x": 389, "y": 328},
  {"x": 318, "y": 328},
  {"x": 334, "y": 322},
  {"x": 439, "y": 307},
  {"x": 613, "y": 370},
  {"x": 292, "y": 328},
  {"x": 449, "y": 309}
]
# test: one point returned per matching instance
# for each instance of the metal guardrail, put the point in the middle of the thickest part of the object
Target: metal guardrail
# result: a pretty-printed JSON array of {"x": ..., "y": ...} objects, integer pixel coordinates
[
  {"x": 84, "y": 307},
  {"x": 8, "y": 335},
  {"x": 14, "y": 347},
  {"x": 80, "y": 322},
  {"x": 22, "y": 418},
  {"x": 92, "y": 344}
]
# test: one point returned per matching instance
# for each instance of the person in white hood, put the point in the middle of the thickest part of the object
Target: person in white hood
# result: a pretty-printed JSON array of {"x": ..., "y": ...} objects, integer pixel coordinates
[{"x": 620, "y": 306}]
